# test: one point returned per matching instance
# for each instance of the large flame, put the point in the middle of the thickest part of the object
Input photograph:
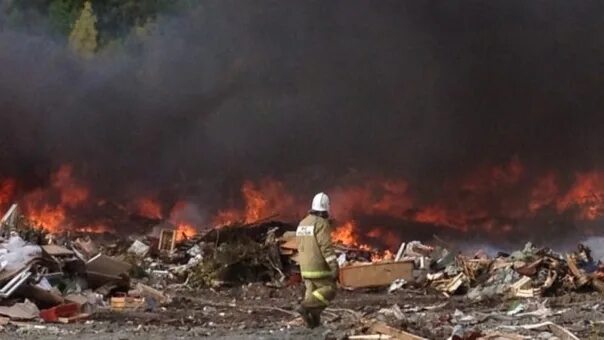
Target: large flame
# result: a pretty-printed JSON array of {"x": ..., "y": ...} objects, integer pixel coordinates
[
  {"x": 181, "y": 215},
  {"x": 346, "y": 234},
  {"x": 7, "y": 190},
  {"x": 148, "y": 207},
  {"x": 47, "y": 207},
  {"x": 262, "y": 200},
  {"x": 493, "y": 198},
  {"x": 586, "y": 194}
]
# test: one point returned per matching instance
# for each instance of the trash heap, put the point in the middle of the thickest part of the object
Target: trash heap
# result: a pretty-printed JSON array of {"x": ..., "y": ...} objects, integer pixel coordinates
[
  {"x": 68, "y": 277},
  {"x": 530, "y": 272},
  {"x": 71, "y": 276}
]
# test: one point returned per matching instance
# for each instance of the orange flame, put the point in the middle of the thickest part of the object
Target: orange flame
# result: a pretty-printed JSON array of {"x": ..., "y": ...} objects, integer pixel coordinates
[
  {"x": 544, "y": 192},
  {"x": 94, "y": 229},
  {"x": 226, "y": 217},
  {"x": 48, "y": 217},
  {"x": 72, "y": 193},
  {"x": 346, "y": 234},
  {"x": 587, "y": 194},
  {"x": 180, "y": 216},
  {"x": 492, "y": 197},
  {"x": 7, "y": 190},
  {"x": 185, "y": 230},
  {"x": 39, "y": 206},
  {"x": 262, "y": 200},
  {"x": 149, "y": 208}
]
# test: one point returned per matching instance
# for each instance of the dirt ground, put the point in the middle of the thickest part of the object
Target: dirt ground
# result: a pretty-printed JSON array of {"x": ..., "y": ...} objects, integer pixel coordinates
[{"x": 259, "y": 312}]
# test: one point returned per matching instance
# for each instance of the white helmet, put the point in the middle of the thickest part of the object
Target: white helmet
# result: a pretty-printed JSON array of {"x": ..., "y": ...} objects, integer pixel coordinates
[{"x": 320, "y": 202}]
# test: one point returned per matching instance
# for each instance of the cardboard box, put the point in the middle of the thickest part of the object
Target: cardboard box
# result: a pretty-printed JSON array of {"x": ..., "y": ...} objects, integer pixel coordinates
[{"x": 375, "y": 274}]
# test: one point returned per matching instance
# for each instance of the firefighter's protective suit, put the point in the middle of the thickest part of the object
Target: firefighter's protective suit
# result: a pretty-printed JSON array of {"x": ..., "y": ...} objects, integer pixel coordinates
[{"x": 318, "y": 263}]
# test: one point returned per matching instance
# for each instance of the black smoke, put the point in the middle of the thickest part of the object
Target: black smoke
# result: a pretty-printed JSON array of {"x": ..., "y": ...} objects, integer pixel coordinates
[{"x": 308, "y": 92}]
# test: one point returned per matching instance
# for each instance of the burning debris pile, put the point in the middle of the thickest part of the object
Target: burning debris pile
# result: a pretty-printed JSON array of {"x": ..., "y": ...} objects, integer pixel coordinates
[
  {"x": 67, "y": 277},
  {"x": 524, "y": 280},
  {"x": 71, "y": 276},
  {"x": 525, "y": 273}
]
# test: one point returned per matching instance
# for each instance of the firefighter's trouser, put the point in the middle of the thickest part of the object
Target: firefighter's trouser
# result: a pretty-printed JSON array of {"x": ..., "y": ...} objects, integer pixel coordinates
[{"x": 319, "y": 292}]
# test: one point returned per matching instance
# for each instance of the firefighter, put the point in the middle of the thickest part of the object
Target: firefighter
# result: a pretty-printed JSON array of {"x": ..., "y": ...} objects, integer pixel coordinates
[{"x": 318, "y": 262}]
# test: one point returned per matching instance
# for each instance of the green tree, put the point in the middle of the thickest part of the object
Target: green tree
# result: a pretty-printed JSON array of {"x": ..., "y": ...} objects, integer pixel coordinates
[
  {"x": 83, "y": 37},
  {"x": 62, "y": 14}
]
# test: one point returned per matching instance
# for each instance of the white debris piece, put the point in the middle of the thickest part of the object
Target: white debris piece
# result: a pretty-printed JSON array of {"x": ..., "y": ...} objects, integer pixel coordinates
[
  {"x": 396, "y": 285},
  {"x": 139, "y": 249}
]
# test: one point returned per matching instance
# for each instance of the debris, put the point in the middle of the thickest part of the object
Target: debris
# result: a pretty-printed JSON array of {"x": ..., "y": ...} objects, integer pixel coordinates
[
  {"x": 598, "y": 285},
  {"x": 55, "y": 250},
  {"x": 107, "y": 265},
  {"x": 61, "y": 311},
  {"x": 9, "y": 220},
  {"x": 151, "y": 293},
  {"x": 139, "y": 249},
  {"x": 86, "y": 247},
  {"x": 167, "y": 240},
  {"x": 195, "y": 251},
  {"x": 400, "y": 252},
  {"x": 74, "y": 318},
  {"x": 42, "y": 297},
  {"x": 289, "y": 241},
  {"x": 17, "y": 280},
  {"x": 559, "y": 331},
  {"x": 395, "y": 311},
  {"x": 103, "y": 276},
  {"x": 375, "y": 274},
  {"x": 396, "y": 285},
  {"x": 122, "y": 303},
  {"x": 382, "y": 328},
  {"x": 80, "y": 299},
  {"x": 450, "y": 285},
  {"x": 517, "y": 309},
  {"x": 582, "y": 279},
  {"x": 21, "y": 311},
  {"x": 523, "y": 288},
  {"x": 501, "y": 336}
]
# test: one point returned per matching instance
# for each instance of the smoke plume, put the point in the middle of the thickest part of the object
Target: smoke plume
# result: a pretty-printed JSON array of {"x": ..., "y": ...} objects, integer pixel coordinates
[{"x": 320, "y": 96}]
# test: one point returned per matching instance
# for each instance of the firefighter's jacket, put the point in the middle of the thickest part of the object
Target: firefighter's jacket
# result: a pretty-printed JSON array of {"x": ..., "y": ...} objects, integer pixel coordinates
[{"x": 316, "y": 255}]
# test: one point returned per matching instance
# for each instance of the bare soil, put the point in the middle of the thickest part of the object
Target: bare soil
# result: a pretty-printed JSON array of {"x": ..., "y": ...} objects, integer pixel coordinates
[{"x": 259, "y": 312}]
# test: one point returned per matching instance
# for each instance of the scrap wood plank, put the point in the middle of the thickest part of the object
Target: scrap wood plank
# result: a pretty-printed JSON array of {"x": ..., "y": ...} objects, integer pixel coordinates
[
  {"x": 559, "y": 331},
  {"x": 582, "y": 280},
  {"x": 289, "y": 243},
  {"x": 524, "y": 282},
  {"x": 394, "y": 333},
  {"x": 74, "y": 318},
  {"x": 375, "y": 274},
  {"x": 502, "y": 336},
  {"x": 56, "y": 250}
]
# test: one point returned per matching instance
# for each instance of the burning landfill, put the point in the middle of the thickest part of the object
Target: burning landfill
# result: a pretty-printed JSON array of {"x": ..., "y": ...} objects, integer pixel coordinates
[
  {"x": 241, "y": 278},
  {"x": 157, "y": 157}
]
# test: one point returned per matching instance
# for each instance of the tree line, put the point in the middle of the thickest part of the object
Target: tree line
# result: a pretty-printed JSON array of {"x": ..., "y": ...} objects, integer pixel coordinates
[{"x": 88, "y": 25}]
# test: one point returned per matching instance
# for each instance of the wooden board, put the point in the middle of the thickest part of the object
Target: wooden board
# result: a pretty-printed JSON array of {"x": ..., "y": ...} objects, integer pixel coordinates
[
  {"x": 291, "y": 243},
  {"x": 167, "y": 239},
  {"x": 395, "y": 333},
  {"x": 375, "y": 274},
  {"x": 107, "y": 265},
  {"x": 55, "y": 250}
]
